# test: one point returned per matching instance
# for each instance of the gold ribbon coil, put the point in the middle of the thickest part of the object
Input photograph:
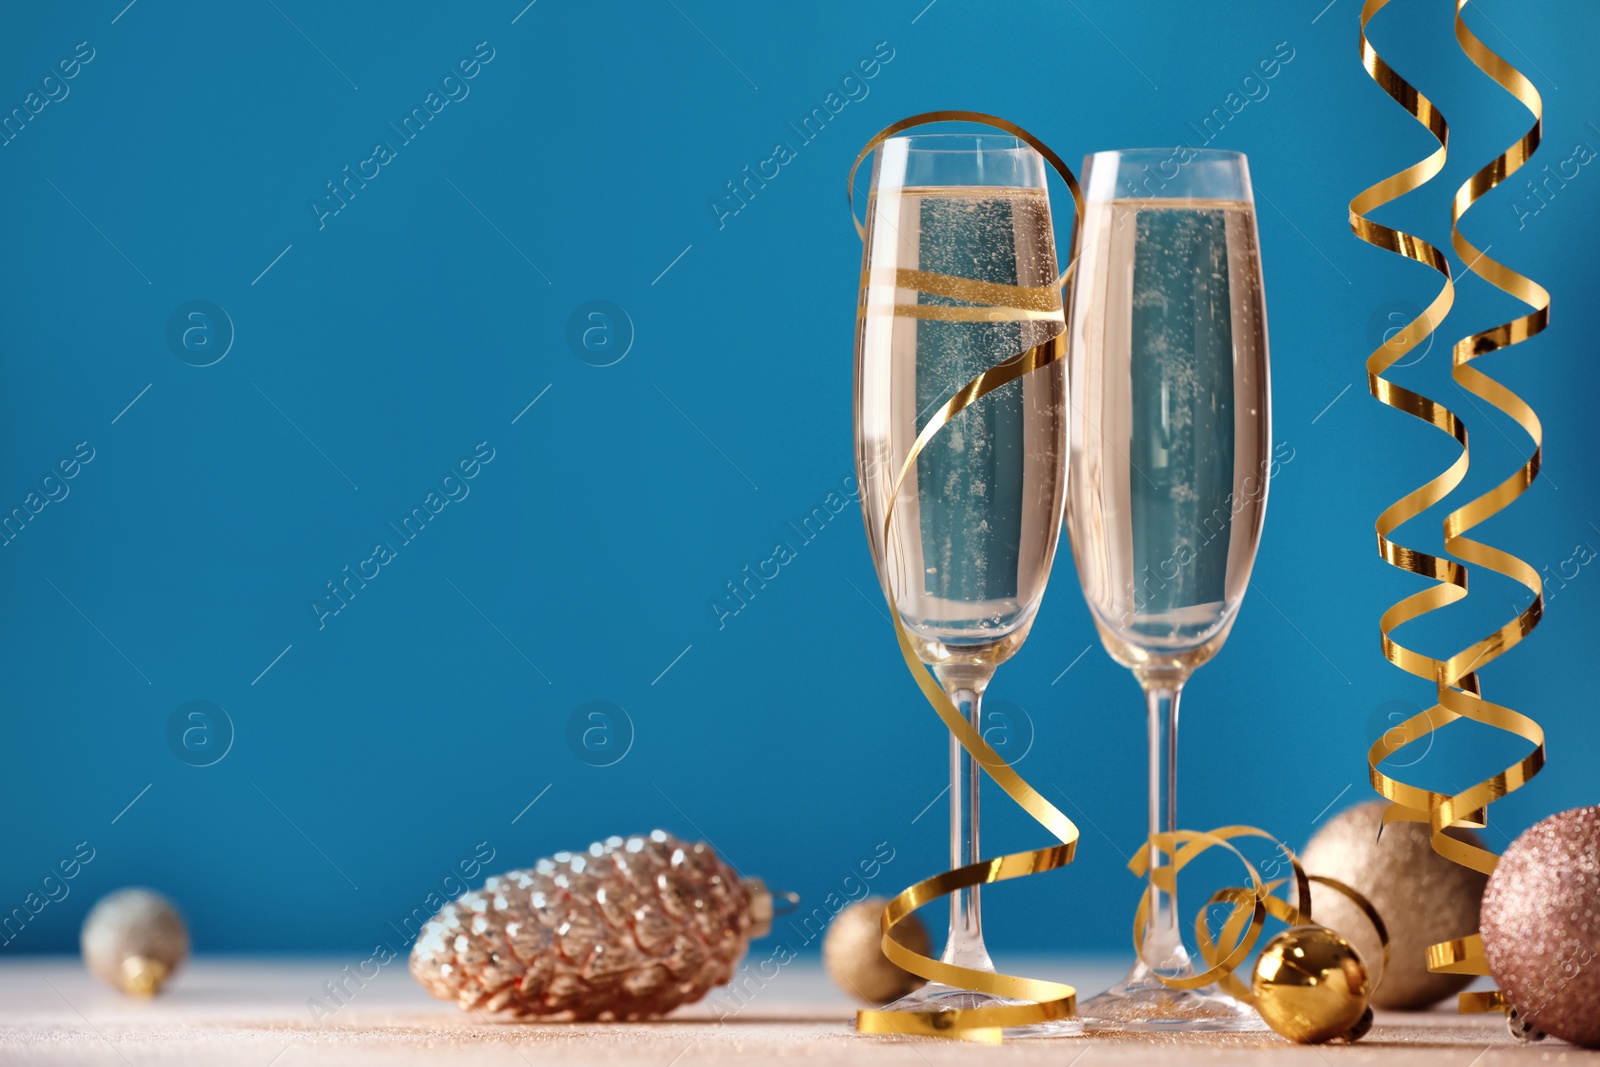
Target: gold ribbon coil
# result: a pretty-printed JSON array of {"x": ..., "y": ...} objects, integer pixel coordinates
[
  {"x": 1250, "y": 906},
  {"x": 991, "y": 302},
  {"x": 1455, "y": 678}
]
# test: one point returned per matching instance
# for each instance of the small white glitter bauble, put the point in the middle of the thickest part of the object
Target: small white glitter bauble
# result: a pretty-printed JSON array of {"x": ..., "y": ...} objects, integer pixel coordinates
[{"x": 134, "y": 940}]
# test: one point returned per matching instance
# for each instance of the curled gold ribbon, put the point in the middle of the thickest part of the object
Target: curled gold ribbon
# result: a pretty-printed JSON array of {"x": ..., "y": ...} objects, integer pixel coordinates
[
  {"x": 1459, "y": 694},
  {"x": 1250, "y": 906},
  {"x": 1050, "y": 1000}
]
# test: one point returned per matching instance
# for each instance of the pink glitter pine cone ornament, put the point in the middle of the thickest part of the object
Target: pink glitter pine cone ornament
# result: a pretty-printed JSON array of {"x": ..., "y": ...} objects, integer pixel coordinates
[
  {"x": 631, "y": 928},
  {"x": 1541, "y": 926}
]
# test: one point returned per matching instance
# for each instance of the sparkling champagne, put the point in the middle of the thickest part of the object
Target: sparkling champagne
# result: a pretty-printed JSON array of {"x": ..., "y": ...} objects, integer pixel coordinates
[
  {"x": 977, "y": 518},
  {"x": 1170, "y": 442}
]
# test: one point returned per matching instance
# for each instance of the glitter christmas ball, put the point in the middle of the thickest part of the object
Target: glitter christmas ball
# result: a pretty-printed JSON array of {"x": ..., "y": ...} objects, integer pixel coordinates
[
  {"x": 855, "y": 961},
  {"x": 629, "y": 929},
  {"x": 134, "y": 940},
  {"x": 1423, "y": 898},
  {"x": 1541, "y": 925}
]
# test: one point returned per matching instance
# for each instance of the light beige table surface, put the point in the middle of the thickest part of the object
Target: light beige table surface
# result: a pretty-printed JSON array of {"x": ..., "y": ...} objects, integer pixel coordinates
[{"x": 255, "y": 1012}]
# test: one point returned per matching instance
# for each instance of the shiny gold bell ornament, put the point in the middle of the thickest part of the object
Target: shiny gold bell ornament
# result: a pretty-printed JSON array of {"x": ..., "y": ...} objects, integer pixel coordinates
[{"x": 1311, "y": 986}]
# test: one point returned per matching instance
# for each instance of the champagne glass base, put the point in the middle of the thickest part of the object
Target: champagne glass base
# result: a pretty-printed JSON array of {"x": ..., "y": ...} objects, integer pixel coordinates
[
  {"x": 1141, "y": 1003},
  {"x": 937, "y": 997}
]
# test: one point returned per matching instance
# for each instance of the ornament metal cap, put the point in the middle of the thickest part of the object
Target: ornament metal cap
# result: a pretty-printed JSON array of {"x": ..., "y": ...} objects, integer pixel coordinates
[
  {"x": 760, "y": 909},
  {"x": 1521, "y": 1029},
  {"x": 143, "y": 976}
]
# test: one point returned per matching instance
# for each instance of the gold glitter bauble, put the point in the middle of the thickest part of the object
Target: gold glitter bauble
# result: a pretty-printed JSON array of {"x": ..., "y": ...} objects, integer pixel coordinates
[
  {"x": 134, "y": 940},
  {"x": 1541, "y": 926},
  {"x": 851, "y": 951},
  {"x": 1423, "y": 898},
  {"x": 1311, "y": 986}
]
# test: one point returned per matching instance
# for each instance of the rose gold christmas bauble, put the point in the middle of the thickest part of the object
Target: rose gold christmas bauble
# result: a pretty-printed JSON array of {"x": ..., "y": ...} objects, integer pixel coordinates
[{"x": 1541, "y": 925}]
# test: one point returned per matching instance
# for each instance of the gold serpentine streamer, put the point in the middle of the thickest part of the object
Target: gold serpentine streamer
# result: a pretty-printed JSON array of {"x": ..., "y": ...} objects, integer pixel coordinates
[
  {"x": 1250, "y": 906},
  {"x": 1051, "y": 1000},
  {"x": 1455, "y": 678}
]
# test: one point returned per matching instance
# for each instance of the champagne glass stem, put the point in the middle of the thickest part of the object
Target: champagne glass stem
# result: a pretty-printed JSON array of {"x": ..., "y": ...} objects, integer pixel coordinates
[
  {"x": 1163, "y": 949},
  {"x": 965, "y": 947}
]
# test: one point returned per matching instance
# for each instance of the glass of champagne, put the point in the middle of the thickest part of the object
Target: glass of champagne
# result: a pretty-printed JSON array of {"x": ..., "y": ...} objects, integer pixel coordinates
[
  {"x": 976, "y": 521},
  {"x": 1171, "y": 432}
]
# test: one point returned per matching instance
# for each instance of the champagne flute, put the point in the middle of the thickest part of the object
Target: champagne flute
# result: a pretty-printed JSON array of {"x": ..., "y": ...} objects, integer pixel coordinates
[
  {"x": 1171, "y": 433},
  {"x": 977, "y": 518}
]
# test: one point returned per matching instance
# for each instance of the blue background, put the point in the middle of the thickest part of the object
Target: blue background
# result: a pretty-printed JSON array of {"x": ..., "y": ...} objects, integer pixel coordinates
[{"x": 383, "y": 345}]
